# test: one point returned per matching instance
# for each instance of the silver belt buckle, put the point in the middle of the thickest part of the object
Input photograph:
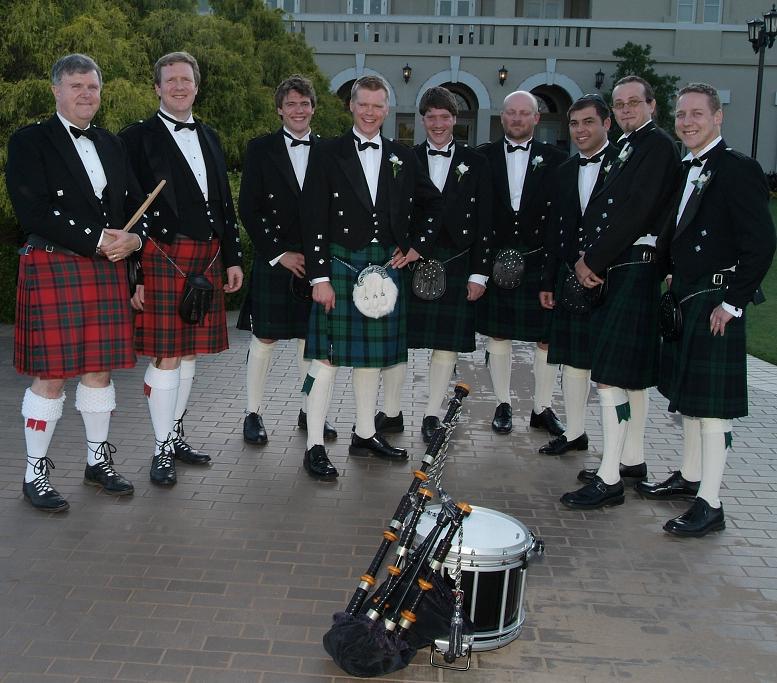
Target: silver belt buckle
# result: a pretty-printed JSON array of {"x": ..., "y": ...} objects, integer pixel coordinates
[
  {"x": 717, "y": 279},
  {"x": 49, "y": 249}
]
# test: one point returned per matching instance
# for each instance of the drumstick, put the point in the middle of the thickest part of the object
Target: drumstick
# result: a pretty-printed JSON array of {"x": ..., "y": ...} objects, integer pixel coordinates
[{"x": 136, "y": 216}]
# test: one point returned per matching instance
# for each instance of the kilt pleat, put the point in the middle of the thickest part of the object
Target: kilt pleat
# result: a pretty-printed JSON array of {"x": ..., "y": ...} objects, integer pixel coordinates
[
  {"x": 448, "y": 323},
  {"x": 568, "y": 334},
  {"x": 345, "y": 337},
  {"x": 624, "y": 329},
  {"x": 704, "y": 375},
  {"x": 159, "y": 329},
  {"x": 73, "y": 315}
]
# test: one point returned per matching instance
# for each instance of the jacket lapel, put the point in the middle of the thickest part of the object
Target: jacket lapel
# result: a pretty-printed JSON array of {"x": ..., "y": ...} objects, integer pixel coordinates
[
  {"x": 159, "y": 161},
  {"x": 499, "y": 170},
  {"x": 531, "y": 181},
  {"x": 280, "y": 157},
  {"x": 218, "y": 159},
  {"x": 110, "y": 163},
  {"x": 452, "y": 181},
  {"x": 352, "y": 169},
  {"x": 694, "y": 201}
]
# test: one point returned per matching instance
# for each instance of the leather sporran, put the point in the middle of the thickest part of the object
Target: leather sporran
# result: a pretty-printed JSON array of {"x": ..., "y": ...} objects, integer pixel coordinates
[
  {"x": 301, "y": 290},
  {"x": 428, "y": 282},
  {"x": 509, "y": 266},
  {"x": 576, "y": 298},
  {"x": 196, "y": 300},
  {"x": 670, "y": 316}
]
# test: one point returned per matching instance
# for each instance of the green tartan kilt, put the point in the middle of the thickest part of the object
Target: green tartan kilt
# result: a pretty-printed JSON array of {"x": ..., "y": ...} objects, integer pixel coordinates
[
  {"x": 515, "y": 313},
  {"x": 345, "y": 337},
  {"x": 568, "y": 334},
  {"x": 704, "y": 375},
  {"x": 448, "y": 323},
  {"x": 274, "y": 312},
  {"x": 624, "y": 329}
]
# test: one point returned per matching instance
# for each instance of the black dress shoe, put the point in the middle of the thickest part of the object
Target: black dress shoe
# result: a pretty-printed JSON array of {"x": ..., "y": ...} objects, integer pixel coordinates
[
  {"x": 638, "y": 472},
  {"x": 548, "y": 421},
  {"x": 503, "y": 419},
  {"x": 429, "y": 426},
  {"x": 676, "y": 486},
  {"x": 317, "y": 465},
  {"x": 389, "y": 425},
  {"x": 698, "y": 520},
  {"x": 40, "y": 493},
  {"x": 163, "y": 467},
  {"x": 595, "y": 494},
  {"x": 253, "y": 430},
  {"x": 185, "y": 453},
  {"x": 102, "y": 474},
  {"x": 330, "y": 433},
  {"x": 376, "y": 444},
  {"x": 560, "y": 445}
]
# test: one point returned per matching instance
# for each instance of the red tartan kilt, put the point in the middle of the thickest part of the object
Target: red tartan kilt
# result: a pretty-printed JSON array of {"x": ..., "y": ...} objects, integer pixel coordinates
[
  {"x": 73, "y": 315},
  {"x": 159, "y": 329}
]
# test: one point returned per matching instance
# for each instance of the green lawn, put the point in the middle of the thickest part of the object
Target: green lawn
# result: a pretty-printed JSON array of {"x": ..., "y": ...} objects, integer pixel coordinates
[{"x": 762, "y": 320}]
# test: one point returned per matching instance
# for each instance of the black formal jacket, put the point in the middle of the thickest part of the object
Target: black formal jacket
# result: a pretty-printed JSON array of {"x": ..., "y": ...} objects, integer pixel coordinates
[
  {"x": 152, "y": 151},
  {"x": 51, "y": 192},
  {"x": 725, "y": 223},
  {"x": 337, "y": 207},
  {"x": 466, "y": 218},
  {"x": 526, "y": 227},
  {"x": 270, "y": 197},
  {"x": 564, "y": 234},
  {"x": 634, "y": 199}
]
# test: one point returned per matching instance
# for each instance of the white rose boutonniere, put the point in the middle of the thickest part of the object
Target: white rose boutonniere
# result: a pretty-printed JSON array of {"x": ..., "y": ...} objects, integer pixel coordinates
[
  {"x": 701, "y": 182},
  {"x": 537, "y": 162},
  {"x": 461, "y": 169},
  {"x": 625, "y": 153},
  {"x": 396, "y": 164},
  {"x": 608, "y": 168}
]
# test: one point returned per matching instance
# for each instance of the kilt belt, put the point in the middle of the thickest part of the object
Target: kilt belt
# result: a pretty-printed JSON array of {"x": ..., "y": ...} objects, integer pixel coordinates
[{"x": 37, "y": 242}]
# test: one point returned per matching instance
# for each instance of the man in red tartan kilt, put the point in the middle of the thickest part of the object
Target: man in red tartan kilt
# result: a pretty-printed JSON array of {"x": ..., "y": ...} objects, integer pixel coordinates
[
  {"x": 72, "y": 188},
  {"x": 195, "y": 234}
]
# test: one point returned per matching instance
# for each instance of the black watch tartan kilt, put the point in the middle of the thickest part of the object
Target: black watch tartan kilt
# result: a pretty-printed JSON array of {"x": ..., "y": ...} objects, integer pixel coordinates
[
  {"x": 275, "y": 313},
  {"x": 73, "y": 315},
  {"x": 159, "y": 329},
  {"x": 448, "y": 323},
  {"x": 515, "y": 313},
  {"x": 624, "y": 329},
  {"x": 347, "y": 338},
  {"x": 704, "y": 375},
  {"x": 568, "y": 333}
]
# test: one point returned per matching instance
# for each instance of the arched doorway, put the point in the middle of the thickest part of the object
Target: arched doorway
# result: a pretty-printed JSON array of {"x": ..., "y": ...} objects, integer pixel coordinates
[
  {"x": 465, "y": 130},
  {"x": 344, "y": 93},
  {"x": 554, "y": 103}
]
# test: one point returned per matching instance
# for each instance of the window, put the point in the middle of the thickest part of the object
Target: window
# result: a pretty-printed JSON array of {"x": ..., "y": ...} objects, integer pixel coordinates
[
  {"x": 367, "y": 6},
  {"x": 543, "y": 9},
  {"x": 455, "y": 8},
  {"x": 712, "y": 11},
  {"x": 406, "y": 129},
  {"x": 686, "y": 11},
  {"x": 288, "y": 6}
]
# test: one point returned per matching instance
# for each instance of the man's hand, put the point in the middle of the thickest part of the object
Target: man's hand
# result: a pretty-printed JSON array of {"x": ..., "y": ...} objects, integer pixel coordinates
[
  {"x": 718, "y": 320},
  {"x": 400, "y": 260},
  {"x": 547, "y": 300},
  {"x": 585, "y": 276},
  {"x": 294, "y": 261},
  {"x": 475, "y": 291},
  {"x": 234, "y": 279},
  {"x": 118, "y": 244},
  {"x": 324, "y": 294},
  {"x": 138, "y": 298}
]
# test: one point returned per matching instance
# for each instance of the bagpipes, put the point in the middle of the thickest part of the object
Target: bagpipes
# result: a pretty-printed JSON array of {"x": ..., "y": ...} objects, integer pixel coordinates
[{"x": 414, "y": 606}]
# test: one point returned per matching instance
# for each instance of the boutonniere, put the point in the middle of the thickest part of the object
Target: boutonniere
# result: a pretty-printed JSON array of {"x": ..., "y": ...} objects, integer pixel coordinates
[
  {"x": 396, "y": 164},
  {"x": 537, "y": 162},
  {"x": 608, "y": 168},
  {"x": 625, "y": 153},
  {"x": 701, "y": 182},
  {"x": 461, "y": 169}
]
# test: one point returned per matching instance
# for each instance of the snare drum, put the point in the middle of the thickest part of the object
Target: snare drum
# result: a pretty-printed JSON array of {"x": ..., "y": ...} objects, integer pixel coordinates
[{"x": 495, "y": 556}]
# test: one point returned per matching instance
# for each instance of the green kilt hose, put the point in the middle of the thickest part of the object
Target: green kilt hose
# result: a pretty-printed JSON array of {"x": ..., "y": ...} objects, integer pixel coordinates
[
  {"x": 568, "y": 333},
  {"x": 448, "y": 323},
  {"x": 704, "y": 375},
  {"x": 73, "y": 315},
  {"x": 345, "y": 337},
  {"x": 275, "y": 313},
  {"x": 159, "y": 329},
  {"x": 624, "y": 329},
  {"x": 516, "y": 313}
]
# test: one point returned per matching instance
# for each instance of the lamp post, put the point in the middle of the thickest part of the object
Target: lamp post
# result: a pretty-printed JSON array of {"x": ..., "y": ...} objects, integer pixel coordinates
[
  {"x": 502, "y": 75},
  {"x": 407, "y": 71},
  {"x": 761, "y": 34},
  {"x": 599, "y": 82}
]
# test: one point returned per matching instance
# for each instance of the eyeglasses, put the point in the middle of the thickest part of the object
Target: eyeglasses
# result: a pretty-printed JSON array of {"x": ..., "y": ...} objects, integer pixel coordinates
[{"x": 631, "y": 104}]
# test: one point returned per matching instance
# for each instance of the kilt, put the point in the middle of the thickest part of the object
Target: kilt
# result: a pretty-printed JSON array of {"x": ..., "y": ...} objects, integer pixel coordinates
[
  {"x": 515, "y": 313},
  {"x": 159, "y": 329},
  {"x": 568, "y": 334},
  {"x": 624, "y": 329},
  {"x": 345, "y": 336},
  {"x": 275, "y": 313},
  {"x": 704, "y": 375},
  {"x": 448, "y": 323},
  {"x": 73, "y": 315}
]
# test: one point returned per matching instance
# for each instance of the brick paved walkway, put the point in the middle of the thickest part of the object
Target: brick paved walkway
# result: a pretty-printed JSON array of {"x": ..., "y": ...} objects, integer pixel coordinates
[{"x": 233, "y": 574}]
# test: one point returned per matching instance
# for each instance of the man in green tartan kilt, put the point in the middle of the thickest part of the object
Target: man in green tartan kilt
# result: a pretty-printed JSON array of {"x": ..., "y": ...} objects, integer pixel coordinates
[
  {"x": 717, "y": 246},
  {"x": 358, "y": 210},
  {"x": 620, "y": 228}
]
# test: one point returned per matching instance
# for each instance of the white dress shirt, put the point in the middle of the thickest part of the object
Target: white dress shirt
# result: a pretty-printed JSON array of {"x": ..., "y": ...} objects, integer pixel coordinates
[
  {"x": 439, "y": 165},
  {"x": 189, "y": 144},
  {"x": 87, "y": 152},
  {"x": 517, "y": 163},
  {"x": 370, "y": 159},
  {"x": 586, "y": 178}
]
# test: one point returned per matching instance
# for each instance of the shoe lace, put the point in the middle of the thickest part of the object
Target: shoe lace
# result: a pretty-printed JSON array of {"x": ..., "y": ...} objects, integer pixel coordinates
[
  {"x": 103, "y": 456},
  {"x": 41, "y": 467},
  {"x": 178, "y": 427},
  {"x": 165, "y": 457}
]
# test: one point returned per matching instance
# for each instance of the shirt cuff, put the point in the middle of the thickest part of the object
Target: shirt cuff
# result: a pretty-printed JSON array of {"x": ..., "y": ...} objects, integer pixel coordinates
[
  {"x": 478, "y": 279},
  {"x": 316, "y": 280},
  {"x": 100, "y": 241},
  {"x": 736, "y": 312},
  {"x": 277, "y": 258}
]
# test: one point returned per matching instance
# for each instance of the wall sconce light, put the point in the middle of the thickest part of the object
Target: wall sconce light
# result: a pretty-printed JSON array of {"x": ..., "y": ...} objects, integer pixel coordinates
[
  {"x": 407, "y": 71},
  {"x": 599, "y": 76},
  {"x": 502, "y": 75}
]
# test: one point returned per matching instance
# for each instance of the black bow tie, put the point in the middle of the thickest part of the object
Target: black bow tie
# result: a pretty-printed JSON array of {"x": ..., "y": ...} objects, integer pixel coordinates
[
  {"x": 439, "y": 152},
  {"x": 696, "y": 161},
  {"x": 365, "y": 145},
  {"x": 296, "y": 141},
  {"x": 512, "y": 148},
  {"x": 178, "y": 125},
  {"x": 595, "y": 159},
  {"x": 89, "y": 133}
]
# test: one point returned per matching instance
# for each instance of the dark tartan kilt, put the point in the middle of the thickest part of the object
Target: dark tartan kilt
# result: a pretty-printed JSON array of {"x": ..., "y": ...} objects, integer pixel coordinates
[
  {"x": 447, "y": 323},
  {"x": 73, "y": 315},
  {"x": 159, "y": 329},
  {"x": 345, "y": 337},
  {"x": 515, "y": 313},
  {"x": 275, "y": 313},
  {"x": 624, "y": 329},
  {"x": 569, "y": 334},
  {"x": 704, "y": 375}
]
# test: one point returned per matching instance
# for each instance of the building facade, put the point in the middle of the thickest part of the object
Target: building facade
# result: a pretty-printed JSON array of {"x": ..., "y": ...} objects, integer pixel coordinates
[{"x": 484, "y": 49}]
